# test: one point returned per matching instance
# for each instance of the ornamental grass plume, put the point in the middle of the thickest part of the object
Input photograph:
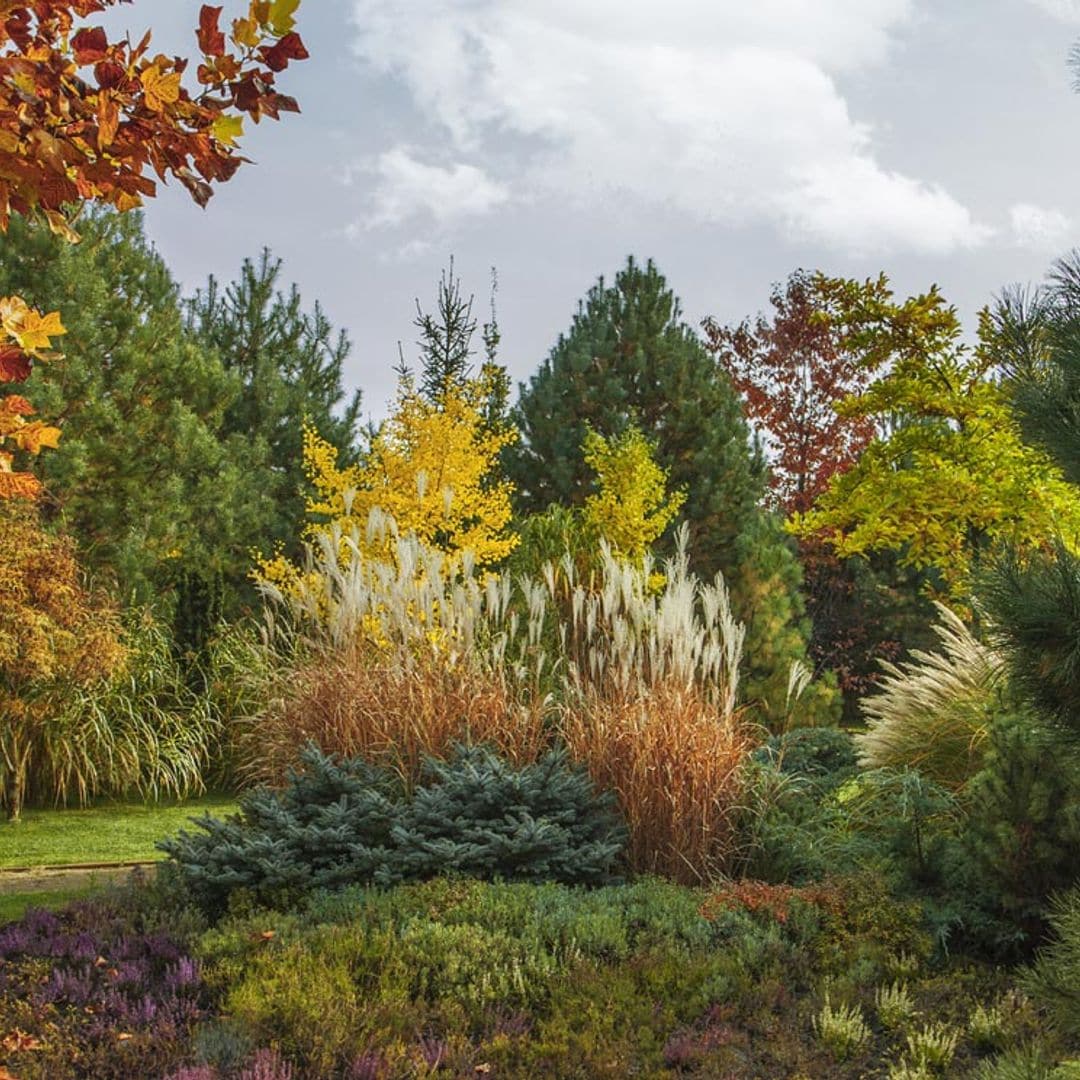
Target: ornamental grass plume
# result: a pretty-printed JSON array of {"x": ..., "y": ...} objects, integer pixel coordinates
[
  {"x": 933, "y": 711},
  {"x": 399, "y": 658}
]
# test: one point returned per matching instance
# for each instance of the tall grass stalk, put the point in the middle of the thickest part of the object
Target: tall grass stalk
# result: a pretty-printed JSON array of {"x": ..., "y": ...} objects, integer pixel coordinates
[{"x": 932, "y": 712}]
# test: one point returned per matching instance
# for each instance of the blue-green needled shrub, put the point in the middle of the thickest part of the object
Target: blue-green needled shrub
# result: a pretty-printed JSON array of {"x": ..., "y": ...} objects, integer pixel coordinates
[{"x": 340, "y": 822}]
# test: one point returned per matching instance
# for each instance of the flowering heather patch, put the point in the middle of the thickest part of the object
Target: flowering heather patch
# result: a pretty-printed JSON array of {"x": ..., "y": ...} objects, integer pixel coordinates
[{"x": 83, "y": 993}]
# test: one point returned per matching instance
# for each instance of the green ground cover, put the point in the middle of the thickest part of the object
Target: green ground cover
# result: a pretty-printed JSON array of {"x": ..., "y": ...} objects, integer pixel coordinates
[{"x": 109, "y": 832}]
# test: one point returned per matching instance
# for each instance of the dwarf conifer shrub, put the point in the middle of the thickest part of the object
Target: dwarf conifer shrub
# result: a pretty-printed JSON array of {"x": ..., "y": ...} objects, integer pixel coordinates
[{"x": 339, "y": 822}]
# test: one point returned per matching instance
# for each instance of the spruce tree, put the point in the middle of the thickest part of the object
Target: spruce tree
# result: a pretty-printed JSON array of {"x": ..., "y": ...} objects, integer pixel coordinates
[{"x": 629, "y": 358}]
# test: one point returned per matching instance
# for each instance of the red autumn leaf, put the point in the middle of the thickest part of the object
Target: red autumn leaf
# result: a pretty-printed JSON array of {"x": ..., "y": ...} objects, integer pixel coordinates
[
  {"x": 14, "y": 364},
  {"x": 290, "y": 47},
  {"x": 90, "y": 46},
  {"x": 211, "y": 38}
]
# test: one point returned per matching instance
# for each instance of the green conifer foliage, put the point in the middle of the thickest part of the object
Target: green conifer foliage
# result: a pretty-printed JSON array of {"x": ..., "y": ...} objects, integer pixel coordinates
[
  {"x": 289, "y": 362},
  {"x": 141, "y": 475},
  {"x": 345, "y": 822},
  {"x": 629, "y": 358}
]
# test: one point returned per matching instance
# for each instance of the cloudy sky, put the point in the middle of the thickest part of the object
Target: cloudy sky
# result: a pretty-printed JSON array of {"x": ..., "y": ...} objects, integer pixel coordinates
[{"x": 731, "y": 142}]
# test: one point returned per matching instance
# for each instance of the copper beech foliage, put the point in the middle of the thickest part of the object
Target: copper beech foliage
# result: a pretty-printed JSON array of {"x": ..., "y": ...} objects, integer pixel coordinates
[{"x": 84, "y": 119}]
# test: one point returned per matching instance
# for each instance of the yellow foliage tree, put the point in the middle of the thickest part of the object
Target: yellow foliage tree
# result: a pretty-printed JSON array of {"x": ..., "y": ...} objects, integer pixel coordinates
[
  {"x": 432, "y": 467},
  {"x": 53, "y": 635},
  {"x": 631, "y": 507}
]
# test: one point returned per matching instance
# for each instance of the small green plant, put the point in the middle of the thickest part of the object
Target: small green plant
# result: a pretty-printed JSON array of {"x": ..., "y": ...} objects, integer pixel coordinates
[
  {"x": 894, "y": 1005},
  {"x": 988, "y": 1026},
  {"x": 841, "y": 1029},
  {"x": 902, "y": 964},
  {"x": 1021, "y": 1063},
  {"x": 933, "y": 1046},
  {"x": 909, "y": 1070}
]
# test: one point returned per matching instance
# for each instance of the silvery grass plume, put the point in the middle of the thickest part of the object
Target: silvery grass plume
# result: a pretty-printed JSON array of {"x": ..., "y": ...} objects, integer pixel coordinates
[
  {"x": 638, "y": 631},
  {"x": 932, "y": 711}
]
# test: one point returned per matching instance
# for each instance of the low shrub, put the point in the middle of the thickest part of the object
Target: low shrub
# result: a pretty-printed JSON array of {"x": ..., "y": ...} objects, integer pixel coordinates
[
  {"x": 347, "y": 822},
  {"x": 823, "y": 756},
  {"x": 92, "y": 992}
]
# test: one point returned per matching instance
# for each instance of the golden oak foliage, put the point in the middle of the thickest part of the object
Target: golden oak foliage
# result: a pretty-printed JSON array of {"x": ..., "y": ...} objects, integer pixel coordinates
[
  {"x": 432, "y": 467},
  {"x": 83, "y": 119}
]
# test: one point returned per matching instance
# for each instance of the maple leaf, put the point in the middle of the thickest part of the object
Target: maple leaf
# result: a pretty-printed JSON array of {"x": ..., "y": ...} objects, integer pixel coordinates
[
  {"x": 160, "y": 89},
  {"x": 227, "y": 129},
  {"x": 90, "y": 46},
  {"x": 32, "y": 437},
  {"x": 281, "y": 15},
  {"x": 16, "y": 405},
  {"x": 14, "y": 364},
  {"x": 32, "y": 330},
  {"x": 211, "y": 39},
  {"x": 290, "y": 47}
]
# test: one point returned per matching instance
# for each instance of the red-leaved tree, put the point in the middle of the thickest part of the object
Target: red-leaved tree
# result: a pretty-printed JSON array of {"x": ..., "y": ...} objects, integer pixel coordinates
[{"x": 791, "y": 371}]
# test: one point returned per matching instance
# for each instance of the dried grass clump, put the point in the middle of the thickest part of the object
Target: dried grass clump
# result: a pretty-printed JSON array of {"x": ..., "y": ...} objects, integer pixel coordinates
[
  {"x": 932, "y": 712},
  {"x": 636, "y": 672},
  {"x": 361, "y": 704},
  {"x": 674, "y": 763}
]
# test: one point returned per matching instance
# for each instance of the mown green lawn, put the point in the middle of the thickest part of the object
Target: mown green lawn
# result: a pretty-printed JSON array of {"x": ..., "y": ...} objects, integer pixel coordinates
[
  {"x": 111, "y": 832},
  {"x": 13, "y": 905}
]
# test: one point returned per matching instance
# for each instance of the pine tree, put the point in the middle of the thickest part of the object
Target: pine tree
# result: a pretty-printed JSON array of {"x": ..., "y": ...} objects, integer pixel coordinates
[
  {"x": 141, "y": 478},
  {"x": 630, "y": 359},
  {"x": 289, "y": 363}
]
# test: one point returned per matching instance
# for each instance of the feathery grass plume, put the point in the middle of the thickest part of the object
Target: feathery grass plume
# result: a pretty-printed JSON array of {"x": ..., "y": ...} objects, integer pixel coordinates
[
  {"x": 397, "y": 658},
  {"x": 403, "y": 657},
  {"x": 932, "y": 711},
  {"x": 650, "y": 708}
]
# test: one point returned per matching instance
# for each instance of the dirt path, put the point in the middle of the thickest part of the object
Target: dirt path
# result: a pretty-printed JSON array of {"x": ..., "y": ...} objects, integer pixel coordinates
[{"x": 55, "y": 878}]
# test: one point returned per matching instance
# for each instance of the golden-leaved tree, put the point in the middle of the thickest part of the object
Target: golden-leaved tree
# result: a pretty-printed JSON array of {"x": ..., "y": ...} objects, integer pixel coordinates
[
  {"x": 84, "y": 119},
  {"x": 433, "y": 466},
  {"x": 952, "y": 476},
  {"x": 631, "y": 507},
  {"x": 54, "y": 635}
]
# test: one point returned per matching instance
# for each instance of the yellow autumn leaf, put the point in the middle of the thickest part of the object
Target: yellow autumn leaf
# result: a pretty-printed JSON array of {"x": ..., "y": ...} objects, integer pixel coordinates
[
  {"x": 61, "y": 227},
  {"x": 282, "y": 16},
  {"x": 227, "y": 129},
  {"x": 245, "y": 32},
  {"x": 32, "y": 437},
  {"x": 160, "y": 89},
  {"x": 36, "y": 330}
]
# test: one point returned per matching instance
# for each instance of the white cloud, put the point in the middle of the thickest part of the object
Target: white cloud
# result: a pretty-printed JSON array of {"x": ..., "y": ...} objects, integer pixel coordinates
[
  {"x": 1038, "y": 227},
  {"x": 727, "y": 112},
  {"x": 1065, "y": 10},
  {"x": 407, "y": 187}
]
